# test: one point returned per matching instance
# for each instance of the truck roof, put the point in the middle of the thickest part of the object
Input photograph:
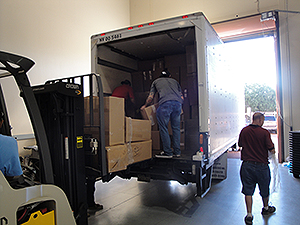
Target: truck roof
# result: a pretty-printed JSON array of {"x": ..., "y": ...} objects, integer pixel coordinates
[{"x": 171, "y": 23}]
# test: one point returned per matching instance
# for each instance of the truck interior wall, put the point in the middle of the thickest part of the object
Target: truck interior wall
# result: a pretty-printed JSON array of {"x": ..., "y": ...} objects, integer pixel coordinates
[{"x": 112, "y": 78}]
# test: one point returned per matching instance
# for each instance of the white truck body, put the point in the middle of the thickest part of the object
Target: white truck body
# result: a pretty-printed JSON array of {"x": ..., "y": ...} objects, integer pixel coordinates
[{"x": 192, "y": 51}]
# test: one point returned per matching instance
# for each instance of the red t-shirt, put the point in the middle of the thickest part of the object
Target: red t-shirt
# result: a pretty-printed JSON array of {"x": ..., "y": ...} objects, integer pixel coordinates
[
  {"x": 255, "y": 142},
  {"x": 123, "y": 91}
]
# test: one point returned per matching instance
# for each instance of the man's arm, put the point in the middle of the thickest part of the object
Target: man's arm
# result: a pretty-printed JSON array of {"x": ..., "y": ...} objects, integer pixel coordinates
[
  {"x": 131, "y": 95},
  {"x": 148, "y": 100}
]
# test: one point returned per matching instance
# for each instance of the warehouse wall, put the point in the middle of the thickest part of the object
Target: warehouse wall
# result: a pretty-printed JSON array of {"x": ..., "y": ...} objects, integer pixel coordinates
[
  {"x": 56, "y": 35},
  {"x": 289, "y": 32},
  {"x": 215, "y": 10}
]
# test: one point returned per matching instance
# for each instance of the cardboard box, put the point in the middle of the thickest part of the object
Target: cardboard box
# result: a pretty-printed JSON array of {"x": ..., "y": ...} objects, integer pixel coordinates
[
  {"x": 93, "y": 131},
  {"x": 96, "y": 111},
  {"x": 137, "y": 81},
  {"x": 139, "y": 151},
  {"x": 137, "y": 130},
  {"x": 120, "y": 156},
  {"x": 156, "y": 143},
  {"x": 175, "y": 60},
  {"x": 117, "y": 157},
  {"x": 149, "y": 113},
  {"x": 175, "y": 72},
  {"x": 114, "y": 119}
]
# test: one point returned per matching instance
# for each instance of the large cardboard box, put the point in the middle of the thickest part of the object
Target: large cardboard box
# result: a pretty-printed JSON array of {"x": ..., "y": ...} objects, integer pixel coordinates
[
  {"x": 139, "y": 151},
  {"x": 117, "y": 157},
  {"x": 87, "y": 111},
  {"x": 156, "y": 143},
  {"x": 114, "y": 119},
  {"x": 120, "y": 156},
  {"x": 93, "y": 131},
  {"x": 175, "y": 60},
  {"x": 149, "y": 113},
  {"x": 137, "y": 130}
]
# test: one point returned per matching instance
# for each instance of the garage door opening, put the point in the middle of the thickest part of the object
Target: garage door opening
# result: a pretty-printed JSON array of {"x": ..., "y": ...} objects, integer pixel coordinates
[
  {"x": 254, "y": 60},
  {"x": 250, "y": 47}
]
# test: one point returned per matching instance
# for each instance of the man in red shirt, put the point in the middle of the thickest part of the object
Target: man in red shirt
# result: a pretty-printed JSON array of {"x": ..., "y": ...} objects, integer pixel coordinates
[
  {"x": 126, "y": 91},
  {"x": 256, "y": 143}
]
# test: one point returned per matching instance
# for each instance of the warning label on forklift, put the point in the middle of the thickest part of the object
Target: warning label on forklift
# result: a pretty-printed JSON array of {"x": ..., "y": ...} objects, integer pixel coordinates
[{"x": 79, "y": 142}]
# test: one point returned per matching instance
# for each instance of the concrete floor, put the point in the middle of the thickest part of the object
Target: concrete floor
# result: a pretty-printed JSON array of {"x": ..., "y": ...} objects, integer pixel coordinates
[{"x": 166, "y": 202}]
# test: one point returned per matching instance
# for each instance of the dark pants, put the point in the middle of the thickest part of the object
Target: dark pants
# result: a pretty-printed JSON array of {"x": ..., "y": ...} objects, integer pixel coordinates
[{"x": 252, "y": 174}]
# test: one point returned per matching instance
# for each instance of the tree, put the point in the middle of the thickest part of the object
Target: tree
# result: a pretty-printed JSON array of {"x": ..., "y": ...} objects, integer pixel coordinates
[{"x": 260, "y": 97}]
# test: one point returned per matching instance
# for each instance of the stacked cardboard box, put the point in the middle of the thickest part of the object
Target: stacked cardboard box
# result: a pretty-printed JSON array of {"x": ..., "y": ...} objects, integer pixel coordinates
[
  {"x": 127, "y": 140},
  {"x": 138, "y": 140},
  {"x": 95, "y": 108},
  {"x": 156, "y": 143},
  {"x": 139, "y": 151},
  {"x": 149, "y": 113},
  {"x": 117, "y": 157},
  {"x": 137, "y": 130},
  {"x": 114, "y": 119},
  {"x": 114, "y": 123},
  {"x": 120, "y": 156}
]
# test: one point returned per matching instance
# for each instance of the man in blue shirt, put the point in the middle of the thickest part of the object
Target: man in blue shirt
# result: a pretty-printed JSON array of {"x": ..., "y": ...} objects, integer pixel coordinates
[
  {"x": 170, "y": 104},
  {"x": 9, "y": 156}
]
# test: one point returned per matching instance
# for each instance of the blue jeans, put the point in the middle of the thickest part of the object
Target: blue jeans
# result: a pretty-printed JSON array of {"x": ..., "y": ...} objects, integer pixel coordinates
[{"x": 169, "y": 111}]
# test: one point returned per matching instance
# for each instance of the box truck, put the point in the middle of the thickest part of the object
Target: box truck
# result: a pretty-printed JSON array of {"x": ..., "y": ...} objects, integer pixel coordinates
[
  {"x": 82, "y": 131},
  {"x": 213, "y": 111}
]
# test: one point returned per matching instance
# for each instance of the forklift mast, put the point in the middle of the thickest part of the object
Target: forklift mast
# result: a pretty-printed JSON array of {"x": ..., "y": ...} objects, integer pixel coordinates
[
  {"x": 17, "y": 66},
  {"x": 40, "y": 203}
]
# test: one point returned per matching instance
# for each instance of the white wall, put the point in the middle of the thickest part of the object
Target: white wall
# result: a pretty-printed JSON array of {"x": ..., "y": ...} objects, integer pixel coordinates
[
  {"x": 56, "y": 35},
  {"x": 215, "y": 10},
  {"x": 289, "y": 24}
]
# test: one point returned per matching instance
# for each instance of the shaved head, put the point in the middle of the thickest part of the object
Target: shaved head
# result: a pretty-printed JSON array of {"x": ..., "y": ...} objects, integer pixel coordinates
[
  {"x": 258, "y": 118},
  {"x": 257, "y": 115}
]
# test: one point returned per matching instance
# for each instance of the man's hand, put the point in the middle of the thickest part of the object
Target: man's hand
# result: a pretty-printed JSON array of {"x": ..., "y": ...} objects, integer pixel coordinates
[
  {"x": 272, "y": 151},
  {"x": 143, "y": 107}
]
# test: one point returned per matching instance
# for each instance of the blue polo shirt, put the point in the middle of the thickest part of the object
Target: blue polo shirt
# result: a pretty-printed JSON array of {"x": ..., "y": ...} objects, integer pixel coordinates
[{"x": 9, "y": 157}]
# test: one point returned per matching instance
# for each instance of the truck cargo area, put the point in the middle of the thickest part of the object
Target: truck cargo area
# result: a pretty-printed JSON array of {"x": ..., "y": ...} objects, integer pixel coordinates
[
  {"x": 192, "y": 52},
  {"x": 141, "y": 60}
]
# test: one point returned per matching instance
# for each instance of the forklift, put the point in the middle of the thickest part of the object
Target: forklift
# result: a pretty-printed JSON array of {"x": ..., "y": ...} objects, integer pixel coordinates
[{"x": 56, "y": 182}]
